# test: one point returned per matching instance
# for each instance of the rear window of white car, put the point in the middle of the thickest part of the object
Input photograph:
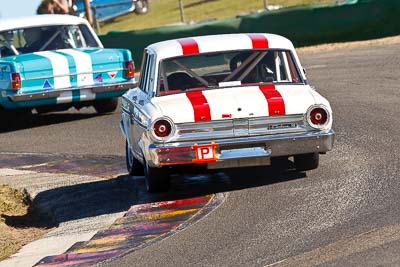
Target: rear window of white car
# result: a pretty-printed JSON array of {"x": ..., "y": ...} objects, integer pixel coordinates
[{"x": 228, "y": 68}]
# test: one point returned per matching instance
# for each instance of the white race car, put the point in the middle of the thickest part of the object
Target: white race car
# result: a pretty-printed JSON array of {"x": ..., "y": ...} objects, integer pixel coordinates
[{"x": 222, "y": 101}]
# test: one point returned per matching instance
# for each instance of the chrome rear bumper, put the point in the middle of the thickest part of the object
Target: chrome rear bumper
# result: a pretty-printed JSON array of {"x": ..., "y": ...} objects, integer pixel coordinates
[
  {"x": 257, "y": 149},
  {"x": 56, "y": 93}
]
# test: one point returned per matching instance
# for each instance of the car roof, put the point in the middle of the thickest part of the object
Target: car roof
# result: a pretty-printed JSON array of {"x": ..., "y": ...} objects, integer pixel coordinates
[
  {"x": 39, "y": 20},
  {"x": 221, "y": 42}
]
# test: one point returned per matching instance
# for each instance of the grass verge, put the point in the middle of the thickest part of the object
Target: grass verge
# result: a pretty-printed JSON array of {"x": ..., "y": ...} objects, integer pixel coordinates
[
  {"x": 166, "y": 12},
  {"x": 15, "y": 204}
]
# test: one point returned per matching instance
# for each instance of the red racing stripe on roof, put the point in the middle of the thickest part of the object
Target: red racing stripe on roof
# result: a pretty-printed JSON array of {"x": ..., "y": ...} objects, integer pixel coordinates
[
  {"x": 189, "y": 46},
  {"x": 276, "y": 104},
  {"x": 200, "y": 106},
  {"x": 258, "y": 40}
]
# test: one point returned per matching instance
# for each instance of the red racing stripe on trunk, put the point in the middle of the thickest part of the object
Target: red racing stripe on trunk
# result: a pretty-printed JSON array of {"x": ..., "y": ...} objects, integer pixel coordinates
[
  {"x": 258, "y": 40},
  {"x": 200, "y": 106},
  {"x": 189, "y": 46},
  {"x": 276, "y": 105}
]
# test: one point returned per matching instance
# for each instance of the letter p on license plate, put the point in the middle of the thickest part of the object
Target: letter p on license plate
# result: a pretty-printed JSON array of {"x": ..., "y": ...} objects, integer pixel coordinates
[{"x": 205, "y": 153}]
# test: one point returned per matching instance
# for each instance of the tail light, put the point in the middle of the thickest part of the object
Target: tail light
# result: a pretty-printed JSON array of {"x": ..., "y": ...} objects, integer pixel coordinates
[
  {"x": 318, "y": 117},
  {"x": 16, "y": 81},
  {"x": 162, "y": 128},
  {"x": 129, "y": 69}
]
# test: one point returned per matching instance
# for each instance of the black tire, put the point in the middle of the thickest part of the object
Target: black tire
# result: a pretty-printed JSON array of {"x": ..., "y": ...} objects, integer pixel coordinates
[
  {"x": 306, "y": 162},
  {"x": 157, "y": 179},
  {"x": 134, "y": 166},
  {"x": 104, "y": 106},
  {"x": 141, "y": 7}
]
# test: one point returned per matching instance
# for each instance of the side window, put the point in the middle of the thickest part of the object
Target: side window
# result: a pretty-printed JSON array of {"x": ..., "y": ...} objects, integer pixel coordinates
[
  {"x": 285, "y": 68},
  {"x": 293, "y": 71},
  {"x": 146, "y": 79},
  {"x": 143, "y": 70},
  {"x": 150, "y": 71}
]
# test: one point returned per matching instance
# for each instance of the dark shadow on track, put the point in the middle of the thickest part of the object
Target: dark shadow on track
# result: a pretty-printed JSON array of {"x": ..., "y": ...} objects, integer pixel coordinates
[
  {"x": 79, "y": 201},
  {"x": 189, "y": 185},
  {"x": 119, "y": 194},
  {"x": 15, "y": 123}
]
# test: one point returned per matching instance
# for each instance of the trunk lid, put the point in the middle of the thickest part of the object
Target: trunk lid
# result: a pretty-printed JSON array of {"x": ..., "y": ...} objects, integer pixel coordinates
[
  {"x": 236, "y": 103},
  {"x": 69, "y": 68}
]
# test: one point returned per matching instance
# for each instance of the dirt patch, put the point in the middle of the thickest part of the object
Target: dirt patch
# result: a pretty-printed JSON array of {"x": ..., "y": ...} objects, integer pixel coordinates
[
  {"x": 15, "y": 235},
  {"x": 336, "y": 46}
]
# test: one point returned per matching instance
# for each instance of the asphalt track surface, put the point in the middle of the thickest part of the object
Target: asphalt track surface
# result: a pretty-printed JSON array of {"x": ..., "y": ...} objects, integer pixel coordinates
[{"x": 345, "y": 213}]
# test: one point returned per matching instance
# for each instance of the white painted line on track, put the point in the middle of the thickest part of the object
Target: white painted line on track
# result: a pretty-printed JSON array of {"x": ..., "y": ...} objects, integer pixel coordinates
[
  {"x": 13, "y": 172},
  {"x": 33, "y": 165}
]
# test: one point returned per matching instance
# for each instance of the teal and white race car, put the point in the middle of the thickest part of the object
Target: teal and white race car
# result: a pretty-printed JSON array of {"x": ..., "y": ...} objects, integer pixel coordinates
[{"x": 54, "y": 62}]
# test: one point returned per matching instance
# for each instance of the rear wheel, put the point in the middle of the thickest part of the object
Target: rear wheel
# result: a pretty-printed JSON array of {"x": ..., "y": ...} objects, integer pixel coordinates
[
  {"x": 134, "y": 166},
  {"x": 104, "y": 106},
  {"x": 306, "y": 162},
  {"x": 141, "y": 6},
  {"x": 157, "y": 179}
]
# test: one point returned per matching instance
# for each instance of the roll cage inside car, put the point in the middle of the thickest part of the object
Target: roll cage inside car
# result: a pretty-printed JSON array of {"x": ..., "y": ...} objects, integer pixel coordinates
[{"x": 227, "y": 68}]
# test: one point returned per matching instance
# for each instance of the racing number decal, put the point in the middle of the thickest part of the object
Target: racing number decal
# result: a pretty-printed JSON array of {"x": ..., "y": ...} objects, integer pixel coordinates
[{"x": 205, "y": 153}]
